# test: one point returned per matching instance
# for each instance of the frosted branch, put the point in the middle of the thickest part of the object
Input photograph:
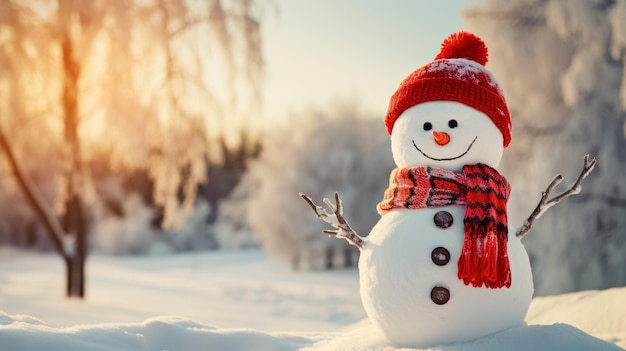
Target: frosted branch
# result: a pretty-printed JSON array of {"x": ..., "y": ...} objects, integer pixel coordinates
[
  {"x": 336, "y": 219},
  {"x": 545, "y": 203}
]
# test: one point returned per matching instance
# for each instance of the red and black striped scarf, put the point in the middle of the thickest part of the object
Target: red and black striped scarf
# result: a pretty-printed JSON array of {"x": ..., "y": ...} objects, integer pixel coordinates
[{"x": 484, "y": 259}]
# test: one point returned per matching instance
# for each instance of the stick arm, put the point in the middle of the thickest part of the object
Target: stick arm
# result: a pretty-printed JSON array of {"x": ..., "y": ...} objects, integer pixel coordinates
[
  {"x": 545, "y": 203},
  {"x": 336, "y": 219}
]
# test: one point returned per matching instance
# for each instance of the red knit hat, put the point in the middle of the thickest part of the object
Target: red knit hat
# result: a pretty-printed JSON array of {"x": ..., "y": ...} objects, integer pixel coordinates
[{"x": 457, "y": 74}]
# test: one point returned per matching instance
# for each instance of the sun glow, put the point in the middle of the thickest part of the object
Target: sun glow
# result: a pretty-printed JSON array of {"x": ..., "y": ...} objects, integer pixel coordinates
[{"x": 137, "y": 84}]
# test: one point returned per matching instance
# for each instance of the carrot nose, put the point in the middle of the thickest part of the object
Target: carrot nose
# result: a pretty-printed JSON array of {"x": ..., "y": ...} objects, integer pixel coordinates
[{"x": 441, "y": 138}]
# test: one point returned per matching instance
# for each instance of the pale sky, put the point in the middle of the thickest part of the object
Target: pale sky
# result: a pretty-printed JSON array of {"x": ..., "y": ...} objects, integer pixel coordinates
[{"x": 320, "y": 50}]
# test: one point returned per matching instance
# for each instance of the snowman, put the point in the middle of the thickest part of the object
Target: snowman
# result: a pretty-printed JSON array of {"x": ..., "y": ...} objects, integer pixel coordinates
[{"x": 440, "y": 266}]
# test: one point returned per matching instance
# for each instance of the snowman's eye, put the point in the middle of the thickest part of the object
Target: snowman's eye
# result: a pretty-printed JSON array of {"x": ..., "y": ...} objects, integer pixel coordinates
[
  {"x": 453, "y": 123},
  {"x": 428, "y": 126}
]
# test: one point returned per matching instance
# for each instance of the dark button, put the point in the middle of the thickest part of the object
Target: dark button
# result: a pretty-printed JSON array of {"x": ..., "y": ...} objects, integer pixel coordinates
[
  {"x": 440, "y": 295},
  {"x": 440, "y": 256},
  {"x": 443, "y": 219}
]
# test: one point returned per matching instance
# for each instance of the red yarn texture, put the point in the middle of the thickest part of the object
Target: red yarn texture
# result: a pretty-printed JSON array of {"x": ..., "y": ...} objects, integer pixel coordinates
[
  {"x": 484, "y": 258},
  {"x": 464, "y": 45},
  {"x": 457, "y": 74}
]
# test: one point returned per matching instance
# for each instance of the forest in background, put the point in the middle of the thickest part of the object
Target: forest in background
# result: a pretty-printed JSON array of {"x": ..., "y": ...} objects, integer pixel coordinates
[
  {"x": 122, "y": 109},
  {"x": 562, "y": 67}
]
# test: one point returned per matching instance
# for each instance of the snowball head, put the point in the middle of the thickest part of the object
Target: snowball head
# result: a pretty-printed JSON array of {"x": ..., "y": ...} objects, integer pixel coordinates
[{"x": 471, "y": 138}]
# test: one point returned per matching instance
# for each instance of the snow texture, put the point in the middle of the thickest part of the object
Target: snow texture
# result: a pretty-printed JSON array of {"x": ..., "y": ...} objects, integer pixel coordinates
[
  {"x": 203, "y": 291},
  {"x": 162, "y": 333},
  {"x": 176, "y": 333},
  {"x": 522, "y": 338},
  {"x": 464, "y": 69}
]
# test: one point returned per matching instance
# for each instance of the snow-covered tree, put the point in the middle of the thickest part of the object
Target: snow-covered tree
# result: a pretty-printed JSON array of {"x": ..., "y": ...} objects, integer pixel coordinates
[
  {"x": 134, "y": 232},
  {"x": 562, "y": 67},
  {"x": 317, "y": 153},
  {"x": 231, "y": 228},
  {"x": 148, "y": 84}
]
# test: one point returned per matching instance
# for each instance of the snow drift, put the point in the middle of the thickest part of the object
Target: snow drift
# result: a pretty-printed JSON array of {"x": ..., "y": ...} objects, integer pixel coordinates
[
  {"x": 18, "y": 332},
  {"x": 240, "y": 301}
]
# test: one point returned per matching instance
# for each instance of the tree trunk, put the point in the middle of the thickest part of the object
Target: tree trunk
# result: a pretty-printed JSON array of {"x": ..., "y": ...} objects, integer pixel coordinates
[
  {"x": 75, "y": 276},
  {"x": 74, "y": 219},
  {"x": 329, "y": 258},
  {"x": 74, "y": 223},
  {"x": 348, "y": 260},
  {"x": 295, "y": 262}
]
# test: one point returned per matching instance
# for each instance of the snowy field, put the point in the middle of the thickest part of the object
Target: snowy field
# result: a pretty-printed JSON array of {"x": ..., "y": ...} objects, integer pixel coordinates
[{"x": 242, "y": 301}]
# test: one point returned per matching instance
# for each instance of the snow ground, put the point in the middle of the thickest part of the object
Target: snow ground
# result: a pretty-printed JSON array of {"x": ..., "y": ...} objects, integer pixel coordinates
[
  {"x": 242, "y": 301},
  {"x": 225, "y": 289}
]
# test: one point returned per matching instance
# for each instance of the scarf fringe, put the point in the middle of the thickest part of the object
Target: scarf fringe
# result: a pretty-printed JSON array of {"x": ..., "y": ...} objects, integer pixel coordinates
[{"x": 485, "y": 260}]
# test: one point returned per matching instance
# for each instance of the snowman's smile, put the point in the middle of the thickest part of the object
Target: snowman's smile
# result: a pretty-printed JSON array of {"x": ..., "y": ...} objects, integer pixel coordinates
[{"x": 449, "y": 158}]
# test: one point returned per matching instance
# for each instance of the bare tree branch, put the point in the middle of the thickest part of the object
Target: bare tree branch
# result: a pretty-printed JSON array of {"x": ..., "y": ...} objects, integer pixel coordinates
[
  {"x": 336, "y": 219},
  {"x": 545, "y": 203},
  {"x": 49, "y": 219}
]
